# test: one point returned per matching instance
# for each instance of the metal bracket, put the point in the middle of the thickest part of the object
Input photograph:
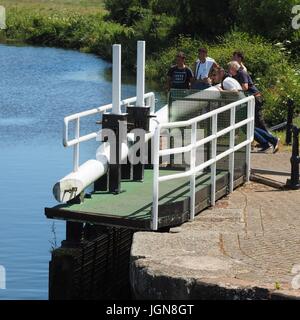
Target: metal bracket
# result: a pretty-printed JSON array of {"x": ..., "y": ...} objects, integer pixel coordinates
[{"x": 77, "y": 200}]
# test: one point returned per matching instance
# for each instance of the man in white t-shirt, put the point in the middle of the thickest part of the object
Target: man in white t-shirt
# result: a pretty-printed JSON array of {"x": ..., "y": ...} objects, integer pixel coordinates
[
  {"x": 230, "y": 84},
  {"x": 224, "y": 82},
  {"x": 202, "y": 69}
]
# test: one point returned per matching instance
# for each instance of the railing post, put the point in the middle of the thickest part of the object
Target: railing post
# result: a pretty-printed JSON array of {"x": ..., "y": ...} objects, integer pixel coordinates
[
  {"x": 76, "y": 146},
  {"x": 116, "y": 96},
  {"x": 213, "y": 155},
  {"x": 152, "y": 103},
  {"x": 140, "y": 79},
  {"x": 155, "y": 179},
  {"x": 139, "y": 116},
  {"x": 250, "y": 132},
  {"x": 294, "y": 182},
  {"x": 231, "y": 146},
  {"x": 192, "y": 168},
  {"x": 289, "y": 124}
]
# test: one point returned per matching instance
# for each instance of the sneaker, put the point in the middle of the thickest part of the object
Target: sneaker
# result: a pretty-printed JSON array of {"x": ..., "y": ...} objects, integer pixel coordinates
[
  {"x": 276, "y": 146},
  {"x": 264, "y": 149}
]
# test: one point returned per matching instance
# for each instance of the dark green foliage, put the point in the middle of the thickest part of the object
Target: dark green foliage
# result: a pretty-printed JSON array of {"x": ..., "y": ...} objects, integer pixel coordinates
[
  {"x": 206, "y": 19},
  {"x": 269, "y": 18},
  {"x": 118, "y": 9},
  {"x": 155, "y": 30},
  {"x": 194, "y": 17}
]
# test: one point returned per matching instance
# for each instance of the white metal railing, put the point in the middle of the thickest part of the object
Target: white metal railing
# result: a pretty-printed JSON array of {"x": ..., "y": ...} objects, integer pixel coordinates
[
  {"x": 192, "y": 147},
  {"x": 149, "y": 101}
]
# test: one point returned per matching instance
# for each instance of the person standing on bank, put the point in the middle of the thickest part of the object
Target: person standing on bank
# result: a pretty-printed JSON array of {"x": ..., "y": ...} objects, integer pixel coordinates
[
  {"x": 180, "y": 76},
  {"x": 244, "y": 79},
  {"x": 202, "y": 70},
  {"x": 261, "y": 133},
  {"x": 239, "y": 57}
]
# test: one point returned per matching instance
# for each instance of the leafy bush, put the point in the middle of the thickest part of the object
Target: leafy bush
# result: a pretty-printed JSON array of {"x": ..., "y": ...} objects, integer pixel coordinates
[
  {"x": 269, "y": 66},
  {"x": 294, "y": 46},
  {"x": 156, "y": 30}
]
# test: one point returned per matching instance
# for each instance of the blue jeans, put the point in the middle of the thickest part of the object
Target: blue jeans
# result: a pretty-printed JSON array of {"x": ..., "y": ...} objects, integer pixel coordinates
[{"x": 264, "y": 138}]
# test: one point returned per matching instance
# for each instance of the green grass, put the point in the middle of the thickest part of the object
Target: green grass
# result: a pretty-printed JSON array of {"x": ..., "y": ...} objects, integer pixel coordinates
[{"x": 82, "y": 6}]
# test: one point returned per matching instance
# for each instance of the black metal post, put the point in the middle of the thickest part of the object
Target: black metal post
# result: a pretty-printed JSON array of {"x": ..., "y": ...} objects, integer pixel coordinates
[
  {"x": 294, "y": 182},
  {"x": 289, "y": 124},
  {"x": 118, "y": 124},
  {"x": 73, "y": 234},
  {"x": 101, "y": 184},
  {"x": 139, "y": 118}
]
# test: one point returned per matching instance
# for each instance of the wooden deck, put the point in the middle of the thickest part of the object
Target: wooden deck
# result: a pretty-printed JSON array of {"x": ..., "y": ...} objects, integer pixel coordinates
[{"x": 132, "y": 208}]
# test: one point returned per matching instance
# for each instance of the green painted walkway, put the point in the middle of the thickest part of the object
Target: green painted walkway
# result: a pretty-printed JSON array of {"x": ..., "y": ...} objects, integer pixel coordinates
[{"x": 134, "y": 204}]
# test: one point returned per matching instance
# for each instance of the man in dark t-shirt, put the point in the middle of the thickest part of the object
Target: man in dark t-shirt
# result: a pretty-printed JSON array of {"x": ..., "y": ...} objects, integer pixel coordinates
[
  {"x": 246, "y": 82},
  {"x": 179, "y": 76}
]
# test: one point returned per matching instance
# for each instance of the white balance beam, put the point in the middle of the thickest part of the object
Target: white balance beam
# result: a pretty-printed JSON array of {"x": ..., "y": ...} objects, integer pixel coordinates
[{"x": 74, "y": 183}]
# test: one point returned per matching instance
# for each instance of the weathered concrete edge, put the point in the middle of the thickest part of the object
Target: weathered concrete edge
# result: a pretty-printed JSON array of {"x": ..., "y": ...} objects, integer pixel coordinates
[
  {"x": 266, "y": 181},
  {"x": 146, "y": 285}
]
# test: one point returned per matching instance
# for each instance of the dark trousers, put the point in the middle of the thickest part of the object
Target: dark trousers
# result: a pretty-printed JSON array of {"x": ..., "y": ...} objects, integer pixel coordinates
[
  {"x": 264, "y": 138},
  {"x": 259, "y": 120}
]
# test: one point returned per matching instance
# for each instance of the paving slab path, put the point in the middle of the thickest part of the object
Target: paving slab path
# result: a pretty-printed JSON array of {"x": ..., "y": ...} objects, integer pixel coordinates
[{"x": 246, "y": 247}]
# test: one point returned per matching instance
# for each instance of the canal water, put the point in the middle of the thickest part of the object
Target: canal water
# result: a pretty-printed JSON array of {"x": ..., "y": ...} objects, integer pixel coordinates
[{"x": 38, "y": 87}]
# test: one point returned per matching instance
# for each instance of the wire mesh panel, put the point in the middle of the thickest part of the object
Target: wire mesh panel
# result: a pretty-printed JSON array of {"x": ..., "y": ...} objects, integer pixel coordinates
[
  {"x": 226, "y": 124},
  {"x": 240, "y": 135},
  {"x": 218, "y": 179},
  {"x": 187, "y": 104}
]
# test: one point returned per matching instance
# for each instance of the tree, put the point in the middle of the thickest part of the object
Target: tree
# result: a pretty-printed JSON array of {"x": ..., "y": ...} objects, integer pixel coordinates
[
  {"x": 118, "y": 9},
  {"x": 205, "y": 18},
  {"x": 269, "y": 18}
]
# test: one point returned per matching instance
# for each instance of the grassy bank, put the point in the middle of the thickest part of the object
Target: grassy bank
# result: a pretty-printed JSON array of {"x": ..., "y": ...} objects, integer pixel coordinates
[
  {"x": 64, "y": 23},
  {"x": 81, "y": 6},
  {"x": 84, "y": 25}
]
